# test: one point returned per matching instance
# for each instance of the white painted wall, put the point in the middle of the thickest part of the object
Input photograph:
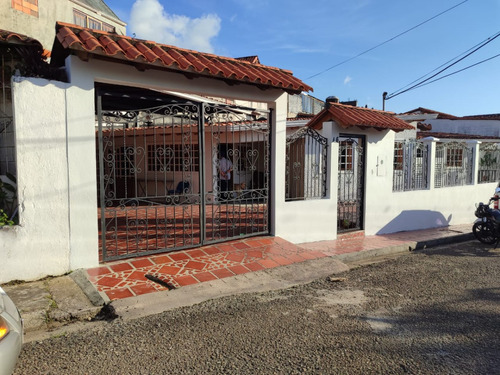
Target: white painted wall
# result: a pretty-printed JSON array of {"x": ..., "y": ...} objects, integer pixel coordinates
[
  {"x": 306, "y": 220},
  {"x": 40, "y": 244},
  {"x": 388, "y": 212}
]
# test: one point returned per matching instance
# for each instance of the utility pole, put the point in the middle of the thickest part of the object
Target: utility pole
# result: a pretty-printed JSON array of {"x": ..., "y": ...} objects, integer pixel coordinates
[{"x": 384, "y": 95}]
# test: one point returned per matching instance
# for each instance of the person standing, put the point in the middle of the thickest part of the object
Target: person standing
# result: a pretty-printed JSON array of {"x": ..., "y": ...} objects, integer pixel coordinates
[{"x": 224, "y": 167}]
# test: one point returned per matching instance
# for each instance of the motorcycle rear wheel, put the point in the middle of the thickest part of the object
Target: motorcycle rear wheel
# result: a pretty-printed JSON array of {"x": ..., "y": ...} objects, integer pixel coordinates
[{"x": 484, "y": 232}]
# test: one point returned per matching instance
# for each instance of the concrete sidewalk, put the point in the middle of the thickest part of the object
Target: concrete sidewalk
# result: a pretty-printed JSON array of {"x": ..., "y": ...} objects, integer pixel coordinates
[{"x": 49, "y": 304}]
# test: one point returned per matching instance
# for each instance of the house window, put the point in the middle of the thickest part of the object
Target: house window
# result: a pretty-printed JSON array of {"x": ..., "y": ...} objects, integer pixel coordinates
[
  {"x": 398, "y": 155},
  {"x": 454, "y": 157},
  {"x": 108, "y": 28},
  {"x": 81, "y": 19},
  {"x": 124, "y": 161},
  {"x": 26, "y": 6},
  {"x": 346, "y": 156},
  {"x": 173, "y": 158}
]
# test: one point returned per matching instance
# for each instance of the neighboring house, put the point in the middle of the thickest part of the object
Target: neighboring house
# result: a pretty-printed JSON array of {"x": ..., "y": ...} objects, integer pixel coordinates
[
  {"x": 38, "y": 17},
  {"x": 439, "y": 122},
  {"x": 451, "y": 132}
]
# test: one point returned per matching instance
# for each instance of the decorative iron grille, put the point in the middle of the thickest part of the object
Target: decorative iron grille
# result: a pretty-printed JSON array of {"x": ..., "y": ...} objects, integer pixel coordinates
[
  {"x": 160, "y": 186},
  {"x": 306, "y": 165},
  {"x": 453, "y": 165},
  {"x": 489, "y": 163},
  {"x": 410, "y": 166},
  {"x": 350, "y": 183}
]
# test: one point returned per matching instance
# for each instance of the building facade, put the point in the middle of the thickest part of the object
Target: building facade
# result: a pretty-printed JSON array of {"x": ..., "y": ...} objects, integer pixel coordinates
[{"x": 37, "y": 19}]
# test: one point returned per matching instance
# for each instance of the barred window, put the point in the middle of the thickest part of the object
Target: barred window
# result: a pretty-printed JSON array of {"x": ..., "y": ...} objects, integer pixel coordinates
[
  {"x": 398, "y": 156},
  {"x": 346, "y": 156},
  {"x": 173, "y": 158},
  {"x": 454, "y": 157},
  {"x": 124, "y": 161}
]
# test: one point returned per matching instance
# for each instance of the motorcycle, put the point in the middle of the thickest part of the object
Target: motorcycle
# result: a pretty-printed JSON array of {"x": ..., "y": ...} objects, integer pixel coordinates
[{"x": 486, "y": 228}]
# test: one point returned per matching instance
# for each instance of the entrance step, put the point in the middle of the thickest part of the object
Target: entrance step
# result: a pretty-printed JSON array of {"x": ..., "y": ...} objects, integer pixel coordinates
[{"x": 350, "y": 235}]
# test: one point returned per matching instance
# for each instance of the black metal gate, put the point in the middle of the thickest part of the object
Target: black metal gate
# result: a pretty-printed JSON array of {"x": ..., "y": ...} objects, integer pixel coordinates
[
  {"x": 179, "y": 176},
  {"x": 350, "y": 183}
]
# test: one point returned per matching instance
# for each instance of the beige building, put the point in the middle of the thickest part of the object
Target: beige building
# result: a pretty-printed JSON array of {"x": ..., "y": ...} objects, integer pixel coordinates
[{"x": 37, "y": 18}]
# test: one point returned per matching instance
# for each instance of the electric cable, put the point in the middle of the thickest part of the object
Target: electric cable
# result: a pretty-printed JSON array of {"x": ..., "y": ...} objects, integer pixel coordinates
[
  {"x": 458, "y": 71},
  {"x": 422, "y": 82},
  {"x": 387, "y": 41}
]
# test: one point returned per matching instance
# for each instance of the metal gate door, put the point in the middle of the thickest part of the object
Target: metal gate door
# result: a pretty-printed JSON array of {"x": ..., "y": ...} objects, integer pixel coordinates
[
  {"x": 159, "y": 176},
  {"x": 351, "y": 183}
]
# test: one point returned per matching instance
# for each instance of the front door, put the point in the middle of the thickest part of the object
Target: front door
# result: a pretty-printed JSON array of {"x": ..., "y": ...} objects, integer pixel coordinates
[{"x": 350, "y": 183}]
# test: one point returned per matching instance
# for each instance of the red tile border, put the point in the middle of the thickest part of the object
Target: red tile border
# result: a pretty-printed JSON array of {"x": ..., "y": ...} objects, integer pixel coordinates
[
  {"x": 141, "y": 263},
  {"x": 196, "y": 253},
  {"x": 162, "y": 259},
  {"x": 254, "y": 266},
  {"x": 204, "y": 276},
  {"x": 169, "y": 270},
  {"x": 185, "y": 280},
  {"x": 222, "y": 273},
  {"x": 99, "y": 271},
  {"x": 239, "y": 269},
  {"x": 119, "y": 293},
  {"x": 179, "y": 256},
  {"x": 119, "y": 267},
  {"x": 268, "y": 263},
  {"x": 145, "y": 288}
]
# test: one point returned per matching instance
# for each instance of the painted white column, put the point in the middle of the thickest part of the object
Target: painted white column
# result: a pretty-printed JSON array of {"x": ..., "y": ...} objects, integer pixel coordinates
[
  {"x": 431, "y": 160},
  {"x": 82, "y": 180},
  {"x": 474, "y": 145},
  {"x": 278, "y": 161}
]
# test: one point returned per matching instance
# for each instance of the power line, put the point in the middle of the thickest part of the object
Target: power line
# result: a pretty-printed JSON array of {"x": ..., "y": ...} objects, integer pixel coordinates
[
  {"x": 456, "y": 71},
  {"x": 454, "y": 62},
  {"x": 387, "y": 41}
]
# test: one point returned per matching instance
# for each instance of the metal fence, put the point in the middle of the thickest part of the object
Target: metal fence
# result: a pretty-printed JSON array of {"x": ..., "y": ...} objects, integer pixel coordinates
[
  {"x": 306, "y": 166},
  {"x": 454, "y": 162},
  {"x": 410, "y": 166},
  {"x": 489, "y": 163}
]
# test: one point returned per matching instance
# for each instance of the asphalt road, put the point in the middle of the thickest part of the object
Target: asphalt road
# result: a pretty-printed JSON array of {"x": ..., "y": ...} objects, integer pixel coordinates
[{"x": 428, "y": 312}]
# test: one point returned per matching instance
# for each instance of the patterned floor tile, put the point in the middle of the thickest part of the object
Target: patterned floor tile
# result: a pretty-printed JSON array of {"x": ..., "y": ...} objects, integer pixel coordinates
[{"x": 126, "y": 278}]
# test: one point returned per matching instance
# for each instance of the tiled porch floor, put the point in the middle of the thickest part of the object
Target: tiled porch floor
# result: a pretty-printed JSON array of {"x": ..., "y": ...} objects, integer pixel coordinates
[{"x": 127, "y": 278}]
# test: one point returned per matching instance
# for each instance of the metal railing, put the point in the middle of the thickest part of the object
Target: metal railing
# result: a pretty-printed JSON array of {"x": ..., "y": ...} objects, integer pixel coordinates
[
  {"x": 306, "y": 165},
  {"x": 410, "y": 166},
  {"x": 454, "y": 165},
  {"x": 489, "y": 163}
]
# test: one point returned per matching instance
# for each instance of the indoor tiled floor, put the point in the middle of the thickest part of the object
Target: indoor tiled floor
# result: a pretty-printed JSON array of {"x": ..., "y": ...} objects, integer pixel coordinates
[{"x": 127, "y": 278}]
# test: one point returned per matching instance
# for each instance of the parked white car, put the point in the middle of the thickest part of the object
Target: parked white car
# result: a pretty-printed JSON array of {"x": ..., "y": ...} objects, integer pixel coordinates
[{"x": 11, "y": 334}]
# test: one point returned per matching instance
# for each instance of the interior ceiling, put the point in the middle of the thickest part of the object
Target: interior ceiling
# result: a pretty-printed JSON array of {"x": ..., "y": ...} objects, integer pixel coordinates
[{"x": 116, "y": 97}]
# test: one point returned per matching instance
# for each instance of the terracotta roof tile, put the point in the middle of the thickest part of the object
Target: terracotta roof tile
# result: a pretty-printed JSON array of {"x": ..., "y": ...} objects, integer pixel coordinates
[
  {"x": 146, "y": 52},
  {"x": 11, "y": 37},
  {"x": 347, "y": 116},
  {"x": 99, "y": 43}
]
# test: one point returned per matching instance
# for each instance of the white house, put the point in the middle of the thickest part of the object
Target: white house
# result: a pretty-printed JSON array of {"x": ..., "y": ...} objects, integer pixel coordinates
[{"x": 99, "y": 157}]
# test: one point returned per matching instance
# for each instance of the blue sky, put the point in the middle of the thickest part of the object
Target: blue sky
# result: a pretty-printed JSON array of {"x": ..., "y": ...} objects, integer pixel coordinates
[{"x": 308, "y": 37}]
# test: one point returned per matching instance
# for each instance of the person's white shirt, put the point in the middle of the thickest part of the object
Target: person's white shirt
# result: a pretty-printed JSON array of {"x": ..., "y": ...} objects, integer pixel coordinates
[{"x": 225, "y": 167}]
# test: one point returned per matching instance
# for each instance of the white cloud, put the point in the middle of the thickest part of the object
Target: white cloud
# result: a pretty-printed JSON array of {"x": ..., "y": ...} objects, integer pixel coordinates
[
  {"x": 347, "y": 79},
  {"x": 148, "y": 20}
]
